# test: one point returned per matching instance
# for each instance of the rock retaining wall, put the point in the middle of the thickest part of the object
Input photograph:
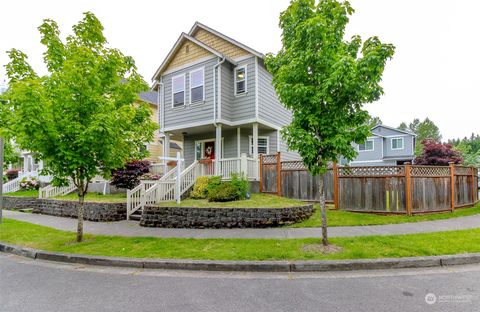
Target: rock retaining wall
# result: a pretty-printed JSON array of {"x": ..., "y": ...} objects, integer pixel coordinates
[
  {"x": 101, "y": 212},
  {"x": 192, "y": 217}
]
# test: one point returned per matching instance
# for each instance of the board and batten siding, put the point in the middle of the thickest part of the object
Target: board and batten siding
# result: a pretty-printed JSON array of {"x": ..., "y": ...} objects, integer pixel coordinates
[{"x": 189, "y": 113}]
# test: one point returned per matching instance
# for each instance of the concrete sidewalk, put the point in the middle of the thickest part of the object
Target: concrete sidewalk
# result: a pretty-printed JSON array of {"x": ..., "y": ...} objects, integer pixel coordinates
[{"x": 132, "y": 228}]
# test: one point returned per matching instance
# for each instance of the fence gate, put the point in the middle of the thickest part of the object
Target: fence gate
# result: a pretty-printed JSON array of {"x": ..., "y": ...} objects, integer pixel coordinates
[{"x": 270, "y": 174}]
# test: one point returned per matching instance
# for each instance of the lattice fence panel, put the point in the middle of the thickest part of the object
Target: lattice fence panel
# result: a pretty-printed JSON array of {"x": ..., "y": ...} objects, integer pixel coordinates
[
  {"x": 463, "y": 170},
  {"x": 269, "y": 159},
  {"x": 371, "y": 171},
  {"x": 429, "y": 171},
  {"x": 293, "y": 165}
]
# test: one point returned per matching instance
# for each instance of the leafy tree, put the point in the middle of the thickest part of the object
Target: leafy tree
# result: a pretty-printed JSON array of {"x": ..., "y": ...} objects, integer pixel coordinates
[
  {"x": 325, "y": 80},
  {"x": 128, "y": 177},
  {"x": 414, "y": 125},
  {"x": 373, "y": 121},
  {"x": 10, "y": 154},
  {"x": 403, "y": 126},
  {"x": 470, "y": 157},
  {"x": 426, "y": 130},
  {"x": 80, "y": 118},
  {"x": 437, "y": 154}
]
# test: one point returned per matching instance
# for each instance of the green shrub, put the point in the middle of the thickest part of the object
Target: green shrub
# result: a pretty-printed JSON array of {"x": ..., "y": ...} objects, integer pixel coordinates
[
  {"x": 200, "y": 188},
  {"x": 213, "y": 182},
  {"x": 223, "y": 192},
  {"x": 240, "y": 183}
]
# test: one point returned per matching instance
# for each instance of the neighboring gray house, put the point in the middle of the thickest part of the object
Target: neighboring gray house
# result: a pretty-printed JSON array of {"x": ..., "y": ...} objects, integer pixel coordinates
[
  {"x": 216, "y": 97},
  {"x": 386, "y": 146}
]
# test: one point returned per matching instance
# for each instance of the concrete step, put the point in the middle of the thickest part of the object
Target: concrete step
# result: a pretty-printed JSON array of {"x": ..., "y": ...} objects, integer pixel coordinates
[{"x": 136, "y": 216}]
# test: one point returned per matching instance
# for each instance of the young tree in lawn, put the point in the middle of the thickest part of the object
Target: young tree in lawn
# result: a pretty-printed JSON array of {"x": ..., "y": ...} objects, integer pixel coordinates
[
  {"x": 325, "y": 80},
  {"x": 80, "y": 118},
  {"x": 438, "y": 154}
]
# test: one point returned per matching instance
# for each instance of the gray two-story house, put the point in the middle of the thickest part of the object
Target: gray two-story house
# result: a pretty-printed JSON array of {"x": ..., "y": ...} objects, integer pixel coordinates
[
  {"x": 216, "y": 96},
  {"x": 386, "y": 146}
]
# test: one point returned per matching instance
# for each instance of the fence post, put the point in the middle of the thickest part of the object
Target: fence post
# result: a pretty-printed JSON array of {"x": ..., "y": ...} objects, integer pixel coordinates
[
  {"x": 335, "y": 185},
  {"x": 408, "y": 188},
  {"x": 279, "y": 174},
  {"x": 473, "y": 185},
  {"x": 452, "y": 185},
  {"x": 261, "y": 173}
]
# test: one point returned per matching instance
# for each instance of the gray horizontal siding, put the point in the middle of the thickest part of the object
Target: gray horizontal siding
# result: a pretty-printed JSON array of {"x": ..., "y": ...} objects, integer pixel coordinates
[
  {"x": 376, "y": 154},
  {"x": 189, "y": 113},
  {"x": 270, "y": 108},
  {"x": 407, "y": 150},
  {"x": 243, "y": 106},
  {"x": 227, "y": 92}
]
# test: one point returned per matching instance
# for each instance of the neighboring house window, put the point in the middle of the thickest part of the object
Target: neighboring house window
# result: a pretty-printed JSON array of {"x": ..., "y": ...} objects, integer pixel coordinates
[
  {"x": 262, "y": 145},
  {"x": 367, "y": 146},
  {"x": 197, "y": 85},
  {"x": 241, "y": 80},
  {"x": 397, "y": 143},
  {"x": 178, "y": 90}
]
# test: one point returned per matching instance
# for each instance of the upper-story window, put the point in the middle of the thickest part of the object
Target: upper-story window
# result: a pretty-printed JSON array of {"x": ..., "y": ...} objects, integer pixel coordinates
[
  {"x": 178, "y": 90},
  {"x": 197, "y": 85},
  {"x": 367, "y": 146},
  {"x": 397, "y": 143},
  {"x": 240, "y": 80}
]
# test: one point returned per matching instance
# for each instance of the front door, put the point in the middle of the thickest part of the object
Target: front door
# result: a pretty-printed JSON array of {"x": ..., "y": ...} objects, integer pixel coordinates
[{"x": 209, "y": 150}]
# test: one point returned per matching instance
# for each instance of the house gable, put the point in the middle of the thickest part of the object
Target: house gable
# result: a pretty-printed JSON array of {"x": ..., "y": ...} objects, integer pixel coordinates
[
  {"x": 188, "y": 52},
  {"x": 221, "y": 45}
]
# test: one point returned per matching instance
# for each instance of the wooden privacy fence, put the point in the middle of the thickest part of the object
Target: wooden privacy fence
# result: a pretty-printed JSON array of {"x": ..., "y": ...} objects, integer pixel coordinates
[{"x": 405, "y": 189}]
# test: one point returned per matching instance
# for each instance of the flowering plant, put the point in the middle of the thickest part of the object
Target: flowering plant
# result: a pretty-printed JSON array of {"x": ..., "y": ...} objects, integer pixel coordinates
[{"x": 29, "y": 183}]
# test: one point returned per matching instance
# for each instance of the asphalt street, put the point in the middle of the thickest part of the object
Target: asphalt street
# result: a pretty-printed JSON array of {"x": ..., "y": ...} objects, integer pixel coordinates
[{"x": 28, "y": 285}]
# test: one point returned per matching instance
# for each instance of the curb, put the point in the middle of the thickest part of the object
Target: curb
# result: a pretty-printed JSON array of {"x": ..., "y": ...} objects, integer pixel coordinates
[{"x": 247, "y": 266}]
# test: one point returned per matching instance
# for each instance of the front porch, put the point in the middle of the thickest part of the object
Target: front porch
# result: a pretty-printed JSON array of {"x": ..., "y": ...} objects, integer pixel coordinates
[{"x": 222, "y": 149}]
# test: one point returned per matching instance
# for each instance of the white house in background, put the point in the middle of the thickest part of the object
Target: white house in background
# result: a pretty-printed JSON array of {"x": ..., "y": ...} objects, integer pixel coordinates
[{"x": 386, "y": 146}]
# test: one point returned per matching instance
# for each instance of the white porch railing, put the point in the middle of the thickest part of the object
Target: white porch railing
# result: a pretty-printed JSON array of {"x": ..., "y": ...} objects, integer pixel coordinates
[
  {"x": 14, "y": 185},
  {"x": 50, "y": 191},
  {"x": 227, "y": 166}
]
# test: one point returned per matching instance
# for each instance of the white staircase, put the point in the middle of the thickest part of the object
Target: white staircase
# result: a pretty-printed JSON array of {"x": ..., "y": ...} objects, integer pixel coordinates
[
  {"x": 14, "y": 185},
  {"x": 52, "y": 191},
  {"x": 168, "y": 188}
]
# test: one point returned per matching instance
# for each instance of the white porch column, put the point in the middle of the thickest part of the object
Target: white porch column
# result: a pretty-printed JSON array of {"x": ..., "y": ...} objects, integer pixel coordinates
[
  {"x": 218, "y": 148},
  {"x": 178, "y": 182},
  {"x": 255, "y": 146},
  {"x": 25, "y": 163},
  {"x": 238, "y": 143},
  {"x": 166, "y": 150}
]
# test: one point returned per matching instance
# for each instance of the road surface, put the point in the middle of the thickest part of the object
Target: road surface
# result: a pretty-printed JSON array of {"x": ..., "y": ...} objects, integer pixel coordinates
[{"x": 28, "y": 285}]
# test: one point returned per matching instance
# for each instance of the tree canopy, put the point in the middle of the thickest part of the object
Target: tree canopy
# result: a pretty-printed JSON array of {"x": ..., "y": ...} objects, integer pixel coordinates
[{"x": 81, "y": 118}]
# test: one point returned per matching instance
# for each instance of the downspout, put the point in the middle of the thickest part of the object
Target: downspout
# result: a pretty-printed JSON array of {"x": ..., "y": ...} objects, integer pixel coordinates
[{"x": 215, "y": 90}]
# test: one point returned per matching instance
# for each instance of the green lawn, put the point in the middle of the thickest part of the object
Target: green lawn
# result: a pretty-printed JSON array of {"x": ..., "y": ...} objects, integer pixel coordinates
[
  {"x": 96, "y": 197},
  {"x": 31, "y": 193},
  {"x": 40, "y": 237},
  {"x": 256, "y": 201},
  {"x": 345, "y": 218}
]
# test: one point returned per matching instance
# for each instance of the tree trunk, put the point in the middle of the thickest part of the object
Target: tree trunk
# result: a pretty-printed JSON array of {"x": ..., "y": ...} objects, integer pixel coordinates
[
  {"x": 323, "y": 211},
  {"x": 81, "y": 201}
]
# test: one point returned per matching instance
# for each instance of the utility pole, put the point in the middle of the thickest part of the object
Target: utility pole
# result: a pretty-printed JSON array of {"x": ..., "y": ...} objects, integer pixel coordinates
[{"x": 1, "y": 178}]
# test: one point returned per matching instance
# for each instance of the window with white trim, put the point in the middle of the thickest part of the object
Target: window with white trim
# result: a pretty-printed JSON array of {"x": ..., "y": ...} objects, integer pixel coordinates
[
  {"x": 367, "y": 146},
  {"x": 397, "y": 143},
  {"x": 240, "y": 80},
  {"x": 262, "y": 145},
  {"x": 197, "y": 85},
  {"x": 178, "y": 90}
]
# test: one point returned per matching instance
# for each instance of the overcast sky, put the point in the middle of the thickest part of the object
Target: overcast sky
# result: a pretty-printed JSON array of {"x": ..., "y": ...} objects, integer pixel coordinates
[{"x": 435, "y": 71}]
